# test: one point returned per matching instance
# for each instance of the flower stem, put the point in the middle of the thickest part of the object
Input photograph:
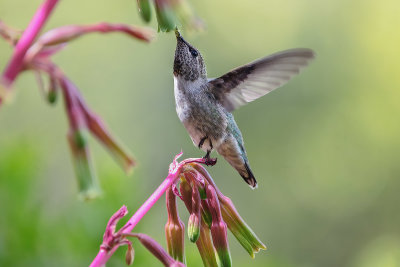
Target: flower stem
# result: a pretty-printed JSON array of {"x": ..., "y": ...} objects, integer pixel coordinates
[
  {"x": 103, "y": 255},
  {"x": 174, "y": 172},
  {"x": 39, "y": 19}
]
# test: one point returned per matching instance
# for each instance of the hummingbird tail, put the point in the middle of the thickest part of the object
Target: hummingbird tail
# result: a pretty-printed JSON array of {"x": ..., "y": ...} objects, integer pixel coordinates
[
  {"x": 235, "y": 155},
  {"x": 249, "y": 178}
]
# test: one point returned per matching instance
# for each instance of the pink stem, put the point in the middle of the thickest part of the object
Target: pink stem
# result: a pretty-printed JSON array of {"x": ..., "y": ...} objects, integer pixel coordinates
[
  {"x": 103, "y": 255},
  {"x": 39, "y": 19}
]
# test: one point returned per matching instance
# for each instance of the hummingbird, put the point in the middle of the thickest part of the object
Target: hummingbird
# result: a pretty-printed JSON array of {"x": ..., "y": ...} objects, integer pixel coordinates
[{"x": 205, "y": 106}]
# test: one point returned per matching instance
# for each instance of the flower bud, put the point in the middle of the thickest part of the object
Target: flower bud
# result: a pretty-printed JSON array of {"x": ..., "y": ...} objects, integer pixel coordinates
[
  {"x": 205, "y": 212},
  {"x": 193, "y": 228},
  {"x": 204, "y": 242},
  {"x": 87, "y": 179},
  {"x": 165, "y": 16},
  {"x": 243, "y": 233},
  {"x": 53, "y": 90},
  {"x": 157, "y": 250},
  {"x": 174, "y": 229},
  {"x": 193, "y": 175},
  {"x": 130, "y": 255},
  {"x": 99, "y": 129},
  {"x": 78, "y": 137},
  {"x": 186, "y": 193},
  {"x": 195, "y": 216},
  {"x": 144, "y": 9},
  {"x": 218, "y": 228},
  {"x": 76, "y": 106}
]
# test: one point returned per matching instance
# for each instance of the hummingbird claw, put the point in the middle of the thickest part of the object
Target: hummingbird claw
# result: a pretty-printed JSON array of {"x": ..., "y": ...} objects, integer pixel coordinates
[{"x": 210, "y": 161}]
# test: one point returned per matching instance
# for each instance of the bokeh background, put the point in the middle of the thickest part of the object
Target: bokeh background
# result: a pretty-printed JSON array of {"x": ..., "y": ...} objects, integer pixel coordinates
[{"x": 325, "y": 147}]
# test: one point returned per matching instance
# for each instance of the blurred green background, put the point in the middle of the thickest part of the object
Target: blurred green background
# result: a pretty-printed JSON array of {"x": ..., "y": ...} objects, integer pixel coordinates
[{"x": 325, "y": 147}]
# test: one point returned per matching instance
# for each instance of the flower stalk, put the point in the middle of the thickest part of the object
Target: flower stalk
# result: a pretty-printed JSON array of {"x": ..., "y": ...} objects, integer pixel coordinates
[
  {"x": 109, "y": 246},
  {"x": 36, "y": 24},
  {"x": 82, "y": 120}
]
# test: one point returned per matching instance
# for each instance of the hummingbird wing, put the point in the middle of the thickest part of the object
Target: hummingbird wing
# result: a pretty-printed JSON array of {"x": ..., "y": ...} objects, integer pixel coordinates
[{"x": 249, "y": 82}]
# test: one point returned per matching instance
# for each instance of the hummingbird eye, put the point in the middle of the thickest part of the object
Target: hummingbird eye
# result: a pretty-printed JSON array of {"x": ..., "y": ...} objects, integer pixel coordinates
[{"x": 193, "y": 52}]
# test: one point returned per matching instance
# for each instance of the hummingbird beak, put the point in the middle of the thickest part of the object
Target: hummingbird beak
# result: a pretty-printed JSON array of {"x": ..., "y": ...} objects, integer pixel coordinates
[
  {"x": 179, "y": 37},
  {"x": 177, "y": 34}
]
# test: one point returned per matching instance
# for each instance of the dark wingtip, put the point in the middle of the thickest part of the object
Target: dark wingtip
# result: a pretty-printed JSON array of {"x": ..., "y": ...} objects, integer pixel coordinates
[{"x": 250, "y": 179}]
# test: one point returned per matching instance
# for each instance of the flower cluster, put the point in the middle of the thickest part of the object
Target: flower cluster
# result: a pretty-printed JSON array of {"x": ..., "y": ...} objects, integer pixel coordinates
[
  {"x": 211, "y": 214},
  {"x": 36, "y": 56},
  {"x": 169, "y": 14},
  {"x": 82, "y": 120}
]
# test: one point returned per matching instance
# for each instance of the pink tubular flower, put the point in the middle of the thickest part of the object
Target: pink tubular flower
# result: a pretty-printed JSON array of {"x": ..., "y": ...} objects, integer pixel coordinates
[
  {"x": 36, "y": 57},
  {"x": 81, "y": 121},
  {"x": 212, "y": 240},
  {"x": 78, "y": 141},
  {"x": 174, "y": 229},
  {"x": 170, "y": 13},
  {"x": 68, "y": 33},
  {"x": 111, "y": 237},
  {"x": 204, "y": 242},
  {"x": 218, "y": 228},
  {"x": 157, "y": 250},
  {"x": 239, "y": 228}
]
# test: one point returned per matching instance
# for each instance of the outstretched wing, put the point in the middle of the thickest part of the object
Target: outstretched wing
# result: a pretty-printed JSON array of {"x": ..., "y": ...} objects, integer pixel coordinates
[{"x": 249, "y": 82}]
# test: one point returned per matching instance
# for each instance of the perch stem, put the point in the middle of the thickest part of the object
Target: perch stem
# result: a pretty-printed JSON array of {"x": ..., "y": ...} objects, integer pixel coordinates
[{"x": 103, "y": 255}]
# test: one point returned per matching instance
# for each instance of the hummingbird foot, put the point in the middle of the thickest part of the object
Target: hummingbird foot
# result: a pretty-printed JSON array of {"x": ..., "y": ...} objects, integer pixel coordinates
[
  {"x": 208, "y": 160},
  {"x": 202, "y": 142}
]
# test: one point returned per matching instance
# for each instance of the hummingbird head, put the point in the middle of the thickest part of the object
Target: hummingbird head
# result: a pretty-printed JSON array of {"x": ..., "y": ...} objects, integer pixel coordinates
[{"x": 188, "y": 63}]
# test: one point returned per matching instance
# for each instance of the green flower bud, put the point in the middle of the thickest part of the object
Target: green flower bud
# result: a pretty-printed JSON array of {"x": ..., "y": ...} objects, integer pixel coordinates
[
  {"x": 165, "y": 16},
  {"x": 53, "y": 91},
  {"x": 52, "y": 96},
  {"x": 243, "y": 233},
  {"x": 81, "y": 138},
  {"x": 195, "y": 216},
  {"x": 144, "y": 9},
  {"x": 193, "y": 228},
  {"x": 87, "y": 179}
]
